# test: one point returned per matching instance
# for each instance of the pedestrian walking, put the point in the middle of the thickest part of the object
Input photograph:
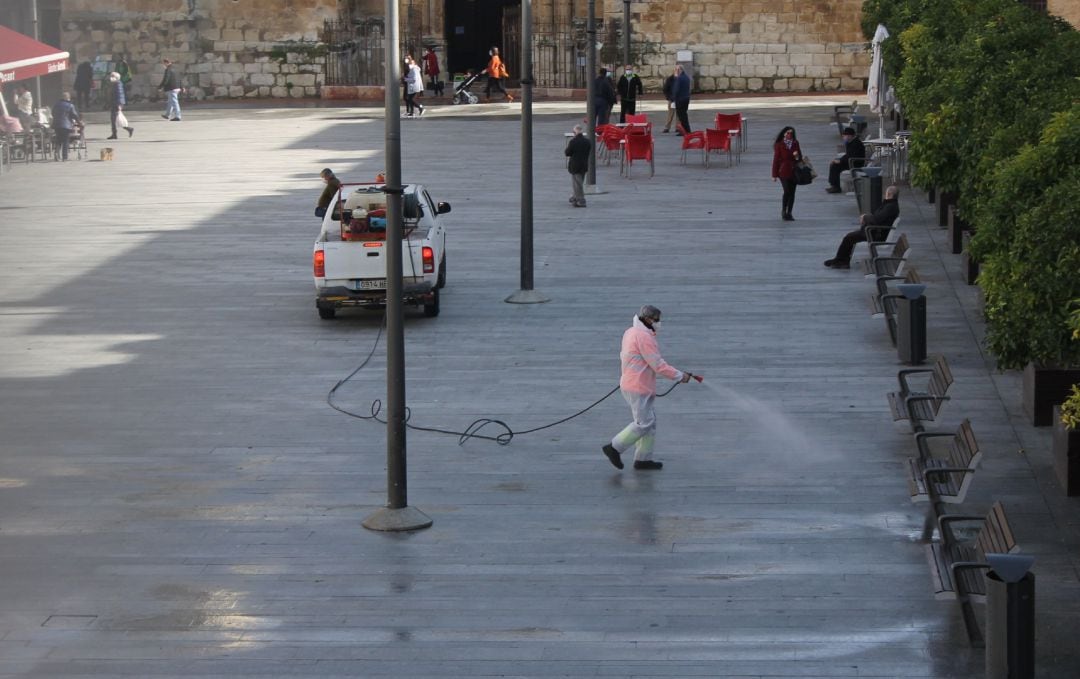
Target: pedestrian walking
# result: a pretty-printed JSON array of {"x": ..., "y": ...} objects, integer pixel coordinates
[
  {"x": 682, "y": 98},
  {"x": 603, "y": 97},
  {"x": 65, "y": 118},
  {"x": 84, "y": 82},
  {"x": 578, "y": 151},
  {"x": 170, "y": 85},
  {"x": 496, "y": 71},
  {"x": 125, "y": 72},
  {"x": 669, "y": 95},
  {"x": 630, "y": 89},
  {"x": 431, "y": 70},
  {"x": 786, "y": 153},
  {"x": 414, "y": 86},
  {"x": 641, "y": 363},
  {"x": 117, "y": 101}
]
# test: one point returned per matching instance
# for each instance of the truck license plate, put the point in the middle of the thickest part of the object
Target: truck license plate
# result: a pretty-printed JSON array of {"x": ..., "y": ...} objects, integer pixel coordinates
[{"x": 373, "y": 284}]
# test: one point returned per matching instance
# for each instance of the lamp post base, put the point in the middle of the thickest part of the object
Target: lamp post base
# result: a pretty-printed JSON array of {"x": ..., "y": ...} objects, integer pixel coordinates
[
  {"x": 593, "y": 190},
  {"x": 527, "y": 297},
  {"x": 396, "y": 520}
]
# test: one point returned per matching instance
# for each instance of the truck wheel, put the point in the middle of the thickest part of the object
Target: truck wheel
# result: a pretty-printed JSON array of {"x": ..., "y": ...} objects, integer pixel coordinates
[
  {"x": 431, "y": 310},
  {"x": 442, "y": 273},
  {"x": 326, "y": 312}
]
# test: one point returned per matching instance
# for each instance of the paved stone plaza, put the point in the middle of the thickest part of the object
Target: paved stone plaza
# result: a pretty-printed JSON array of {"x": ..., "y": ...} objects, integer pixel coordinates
[{"x": 178, "y": 500}]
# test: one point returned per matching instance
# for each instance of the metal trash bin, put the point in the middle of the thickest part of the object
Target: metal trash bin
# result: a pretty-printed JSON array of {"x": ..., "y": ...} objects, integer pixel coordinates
[
  {"x": 867, "y": 191},
  {"x": 1010, "y": 627},
  {"x": 911, "y": 330}
]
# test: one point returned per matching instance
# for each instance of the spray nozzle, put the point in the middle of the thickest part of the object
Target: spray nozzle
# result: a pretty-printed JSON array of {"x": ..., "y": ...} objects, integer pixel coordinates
[{"x": 699, "y": 378}]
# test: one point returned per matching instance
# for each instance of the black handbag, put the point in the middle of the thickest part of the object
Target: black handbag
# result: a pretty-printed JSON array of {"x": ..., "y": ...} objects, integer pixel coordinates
[{"x": 804, "y": 173}]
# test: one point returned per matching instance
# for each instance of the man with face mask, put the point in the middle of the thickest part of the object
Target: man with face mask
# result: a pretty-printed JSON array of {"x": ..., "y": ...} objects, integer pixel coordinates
[
  {"x": 641, "y": 362},
  {"x": 629, "y": 90},
  {"x": 854, "y": 153}
]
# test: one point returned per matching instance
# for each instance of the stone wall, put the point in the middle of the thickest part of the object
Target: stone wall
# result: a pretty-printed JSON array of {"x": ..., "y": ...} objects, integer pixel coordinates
[
  {"x": 1068, "y": 10},
  {"x": 221, "y": 48},
  {"x": 753, "y": 45}
]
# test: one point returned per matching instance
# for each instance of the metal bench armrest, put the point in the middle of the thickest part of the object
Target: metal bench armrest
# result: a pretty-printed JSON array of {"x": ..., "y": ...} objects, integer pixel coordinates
[
  {"x": 938, "y": 471},
  {"x": 902, "y": 375},
  {"x": 921, "y": 436}
]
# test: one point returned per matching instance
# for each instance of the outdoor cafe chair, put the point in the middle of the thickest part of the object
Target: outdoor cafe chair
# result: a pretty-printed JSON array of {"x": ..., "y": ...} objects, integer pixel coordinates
[
  {"x": 637, "y": 147},
  {"x": 717, "y": 140},
  {"x": 691, "y": 141}
]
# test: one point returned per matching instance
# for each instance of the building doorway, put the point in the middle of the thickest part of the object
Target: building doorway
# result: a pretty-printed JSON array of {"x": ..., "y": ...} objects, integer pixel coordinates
[{"x": 473, "y": 27}]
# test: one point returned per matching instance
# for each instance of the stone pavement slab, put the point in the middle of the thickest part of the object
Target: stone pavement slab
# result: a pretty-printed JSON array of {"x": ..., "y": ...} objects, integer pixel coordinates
[{"x": 177, "y": 499}]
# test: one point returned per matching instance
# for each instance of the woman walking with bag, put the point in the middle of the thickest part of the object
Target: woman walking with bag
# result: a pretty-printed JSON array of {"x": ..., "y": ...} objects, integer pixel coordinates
[
  {"x": 786, "y": 153},
  {"x": 496, "y": 71}
]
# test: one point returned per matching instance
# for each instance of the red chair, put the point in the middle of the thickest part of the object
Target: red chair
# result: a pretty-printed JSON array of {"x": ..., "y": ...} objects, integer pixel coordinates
[
  {"x": 608, "y": 138},
  {"x": 637, "y": 119},
  {"x": 717, "y": 140},
  {"x": 732, "y": 122},
  {"x": 691, "y": 141},
  {"x": 637, "y": 147}
]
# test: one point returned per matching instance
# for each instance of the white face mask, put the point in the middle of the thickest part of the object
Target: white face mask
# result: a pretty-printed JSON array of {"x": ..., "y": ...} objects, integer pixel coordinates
[
  {"x": 491, "y": 53},
  {"x": 656, "y": 326},
  {"x": 629, "y": 72}
]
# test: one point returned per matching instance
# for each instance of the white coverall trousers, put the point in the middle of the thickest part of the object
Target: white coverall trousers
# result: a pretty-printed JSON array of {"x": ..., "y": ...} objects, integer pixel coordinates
[{"x": 641, "y": 433}]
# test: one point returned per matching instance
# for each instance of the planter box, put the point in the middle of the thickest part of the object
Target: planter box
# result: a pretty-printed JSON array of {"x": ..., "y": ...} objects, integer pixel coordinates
[
  {"x": 970, "y": 264},
  {"x": 1066, "y": 449},
  {"x": 945, "y": 200},
  {"x": 1045, "y": 387},
  {"x": 957, "y": 227}
]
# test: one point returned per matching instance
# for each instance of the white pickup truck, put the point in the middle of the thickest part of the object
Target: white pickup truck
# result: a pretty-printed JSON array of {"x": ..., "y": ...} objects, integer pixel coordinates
[{"x": 350, "y": 253}]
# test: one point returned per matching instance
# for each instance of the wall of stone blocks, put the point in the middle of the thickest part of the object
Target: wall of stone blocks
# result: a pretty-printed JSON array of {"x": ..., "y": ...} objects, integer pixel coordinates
[
  {"x": 220, "y": 48},
  {"x": 1068, "y": 10},
  {"x": 753, "y": 45}
]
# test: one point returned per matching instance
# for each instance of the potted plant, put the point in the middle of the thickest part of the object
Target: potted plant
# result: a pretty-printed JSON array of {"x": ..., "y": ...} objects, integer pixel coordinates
[{"x": 1066, "y": 442}]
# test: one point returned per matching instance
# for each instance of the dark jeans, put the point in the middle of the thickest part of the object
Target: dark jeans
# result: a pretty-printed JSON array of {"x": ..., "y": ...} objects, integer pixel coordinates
[
  {"x": 681, "y": 106},
  {"x": 847, "y": 245},
  {"x": 603, "y": 112},
  {"x": 411, "y": 103},
  {"x": 788, "y": 201},
  {"x": 113, "y": 112},
  {"x": 82, "y": 100},
  {"x": 494, "y": 84},
  {"x": 627, "y": 107},
  {"x": 63, "y": 140},
  {"x": 834, "y": 173}
]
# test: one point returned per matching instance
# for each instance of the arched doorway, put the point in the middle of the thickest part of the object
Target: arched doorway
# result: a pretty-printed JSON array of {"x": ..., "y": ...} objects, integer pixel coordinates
[{"x": 474, "y": 26}]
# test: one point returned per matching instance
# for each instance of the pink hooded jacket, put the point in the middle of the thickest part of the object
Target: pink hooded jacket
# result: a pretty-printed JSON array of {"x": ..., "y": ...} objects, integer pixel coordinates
[{"x": 641, "y": 360}]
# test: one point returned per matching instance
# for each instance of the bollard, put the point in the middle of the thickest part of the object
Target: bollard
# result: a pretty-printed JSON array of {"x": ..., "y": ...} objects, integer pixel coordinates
[
  {"x": 911, "y": 329},
  {"x": 1010, "y": 618}
]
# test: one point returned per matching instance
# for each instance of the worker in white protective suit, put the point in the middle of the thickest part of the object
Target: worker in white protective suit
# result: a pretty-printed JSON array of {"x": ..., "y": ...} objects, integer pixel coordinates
[{"x": 641, "y": 362}]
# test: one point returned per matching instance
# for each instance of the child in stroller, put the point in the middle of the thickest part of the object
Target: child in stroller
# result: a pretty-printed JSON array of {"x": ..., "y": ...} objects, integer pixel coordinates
[{"x": 462, "y": 95}]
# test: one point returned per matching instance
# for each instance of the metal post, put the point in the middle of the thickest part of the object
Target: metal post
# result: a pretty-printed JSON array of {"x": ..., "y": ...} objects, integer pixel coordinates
[
  {"x": 526, "y": 295},
  {"x": 37, "y": 36},
  {"x": 1010, "y": 627},
  {"x": 911, "y": 330},
  {"x": 396, "y": 515},
  {"x": 590, "y": 78},
  {"x": 626, "y": 32}
]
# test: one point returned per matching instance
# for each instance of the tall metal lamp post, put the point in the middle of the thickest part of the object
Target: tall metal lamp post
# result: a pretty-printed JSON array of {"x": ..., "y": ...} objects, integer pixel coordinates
[
  {"x": 397, "y": 515},
  {"x": 590, "y": 105},
  {"x": 626, "y": 32},
  {"x": 526, "y": 295}
]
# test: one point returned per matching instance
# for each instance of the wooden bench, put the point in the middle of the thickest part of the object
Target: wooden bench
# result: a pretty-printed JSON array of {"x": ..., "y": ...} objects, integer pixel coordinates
[
  {"x": 944, "y": 479},
  {"x": 957, "y": 566},
  {"x": 921, "y": 406},
  {"x": 881, "y": 283},
  {"x": 890, "y": 263},
  {"x": 891, "y": 235}
]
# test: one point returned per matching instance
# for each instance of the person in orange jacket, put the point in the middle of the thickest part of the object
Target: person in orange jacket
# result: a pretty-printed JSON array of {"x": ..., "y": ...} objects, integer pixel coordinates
[
  {"x": 641, "y": 363},
  {"x": 496, "y": 71}
]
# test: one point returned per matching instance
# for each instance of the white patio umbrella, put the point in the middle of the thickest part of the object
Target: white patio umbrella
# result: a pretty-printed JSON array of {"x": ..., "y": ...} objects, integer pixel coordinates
[{"x": 876, "y": 86}]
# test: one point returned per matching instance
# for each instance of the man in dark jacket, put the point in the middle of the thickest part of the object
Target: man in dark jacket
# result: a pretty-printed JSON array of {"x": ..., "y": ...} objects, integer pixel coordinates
[
  {"x": 629, "y": 90},
  {"x": 603, "y": 97},
  {"x": 170, "y": 85},
  {"x": 854, "y": 154},
  {"x": 84, "y": 78},
  {"x": 117, "y": 101},
  {"x": 883, "y": 217},
  {"x": 682, "y": 97},
  {"x": 577, "y": 150},
  {"x": 329, "y": 192},
  {"x": 64, "y": 120},
  {"x": 669, "y": 94}
]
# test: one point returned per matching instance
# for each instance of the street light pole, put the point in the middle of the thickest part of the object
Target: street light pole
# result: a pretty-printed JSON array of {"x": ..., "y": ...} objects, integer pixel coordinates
[
  {"x": 626, "y": 32},
  {"x": 590, "y": 77},
  {"x": 396, "y": 515},
  {"x": 37, "y": 36},
  {"x": 526, "y": 295}
]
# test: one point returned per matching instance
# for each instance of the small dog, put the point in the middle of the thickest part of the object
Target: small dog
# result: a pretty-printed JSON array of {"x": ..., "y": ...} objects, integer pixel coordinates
[{"x": 106, "y": 154}]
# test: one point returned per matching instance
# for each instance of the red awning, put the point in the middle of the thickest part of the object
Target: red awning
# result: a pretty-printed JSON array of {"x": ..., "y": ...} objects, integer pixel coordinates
[{"x": 22, "y": 57}]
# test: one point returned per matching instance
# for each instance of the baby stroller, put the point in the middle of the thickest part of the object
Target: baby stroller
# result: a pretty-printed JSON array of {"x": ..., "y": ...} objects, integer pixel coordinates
[{"x": 462, "y": 95}]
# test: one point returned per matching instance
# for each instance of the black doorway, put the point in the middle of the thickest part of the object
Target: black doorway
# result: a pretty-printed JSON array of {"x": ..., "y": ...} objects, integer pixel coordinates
[{"x": 472, "y": 28}]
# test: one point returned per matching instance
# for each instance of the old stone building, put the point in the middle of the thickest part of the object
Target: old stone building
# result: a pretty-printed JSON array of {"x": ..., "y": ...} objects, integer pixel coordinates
[{"x": 311, "y": 48}]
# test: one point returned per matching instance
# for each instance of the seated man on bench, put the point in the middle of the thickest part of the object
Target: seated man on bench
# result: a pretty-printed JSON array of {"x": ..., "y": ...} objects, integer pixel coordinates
[
  {"x": 854, "y": 155},
  {"x": 882, "y": 217}
]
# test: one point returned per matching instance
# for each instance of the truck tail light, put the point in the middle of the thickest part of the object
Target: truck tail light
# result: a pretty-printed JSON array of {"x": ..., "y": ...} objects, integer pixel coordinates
[
  {"x": 429, "y": 259},
  {"x": 320, "y": 264}
]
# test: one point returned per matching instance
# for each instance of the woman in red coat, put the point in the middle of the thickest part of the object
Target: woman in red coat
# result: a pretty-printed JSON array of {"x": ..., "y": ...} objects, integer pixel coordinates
[{"x": 786, "y": 153}]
